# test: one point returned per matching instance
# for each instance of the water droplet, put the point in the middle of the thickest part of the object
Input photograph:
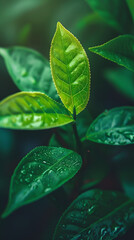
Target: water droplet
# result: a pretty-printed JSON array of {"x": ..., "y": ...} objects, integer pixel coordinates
[
  {"x": 47, "y": 190},
  {"x": 23, "y": 171},
  {"x": 23, "y": 72},
  {"x": 27, "y": 180}
]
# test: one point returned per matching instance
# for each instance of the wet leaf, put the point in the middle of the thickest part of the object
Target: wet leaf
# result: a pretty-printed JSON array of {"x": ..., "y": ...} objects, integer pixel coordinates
[
  {"x": 114, "y": 12},
  {"x": 122, "y": 80},
  {"x": 32, "y": 110},
  {"x": 113, "y": 127},
  {"x": 119, "y": 50},
  {"x": 96, "y": 214},
  {"x": 70, "y": 69},
  {"x": 39, "y": 173},
  {"x": 29, "y": 70}
]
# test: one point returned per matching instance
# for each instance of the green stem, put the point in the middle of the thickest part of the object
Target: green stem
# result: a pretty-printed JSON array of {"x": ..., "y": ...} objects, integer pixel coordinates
[{"x": 78, "y": 142}]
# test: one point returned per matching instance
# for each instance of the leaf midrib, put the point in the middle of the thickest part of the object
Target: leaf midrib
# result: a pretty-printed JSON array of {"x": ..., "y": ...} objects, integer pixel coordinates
[
  {"x": 109, "y": 129},
  {"x": 105, "y": 217}
]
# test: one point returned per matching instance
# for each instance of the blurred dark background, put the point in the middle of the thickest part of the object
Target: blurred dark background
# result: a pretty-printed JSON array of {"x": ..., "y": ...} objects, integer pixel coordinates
[{"x": 32, "y": 23}]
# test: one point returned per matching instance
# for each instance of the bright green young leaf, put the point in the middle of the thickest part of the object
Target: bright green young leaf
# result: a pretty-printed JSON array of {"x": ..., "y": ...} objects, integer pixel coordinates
[
  {"x": 114, "y": 12},
  {"x": 39, "y": 173},
  {"x": 113, "y": 127},
  {"x": 96, "y": 214},
  {"x": 70, "y": 70},
  {"x": 122, "y": 80},
  {"x": 32, "y": 110},
  {"x": 29, "y": 70},
  {"x": 119, "y": 50}
]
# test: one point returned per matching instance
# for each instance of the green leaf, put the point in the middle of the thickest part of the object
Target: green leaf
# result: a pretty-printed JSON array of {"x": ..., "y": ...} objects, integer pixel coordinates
[
  {"x": 29, "y": 70},
  {"x": 114, "y": 12},
  {"x": 96, "y": 214},
  {"x": 54, "y": 141},
  {"x": 33, "y": 110},
  {"x": 70, "y": 69},
  {"x": 122, "y": 80},
  {"x": 124, "y": 166},
  {"x": 119, "y": 50},
  {"x": 113, "y": 127},
  {"x": 39, "y": 173},
  {"x": 131, "y": 7}
]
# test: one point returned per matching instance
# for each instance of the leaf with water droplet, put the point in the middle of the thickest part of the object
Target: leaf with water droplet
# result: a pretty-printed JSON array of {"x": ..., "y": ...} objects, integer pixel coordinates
[
  {"x": 47, "y": 168},
  {"x": 70, "y": 70},
  {"x": 96, "y": 214},
  {"x": 114, "y": 12},
  {"x": 119, "y": 50},
  {"x": 113, "y": 127},
  {"x": 32, "y": 110},
  {"x": 29, "y": 70}
]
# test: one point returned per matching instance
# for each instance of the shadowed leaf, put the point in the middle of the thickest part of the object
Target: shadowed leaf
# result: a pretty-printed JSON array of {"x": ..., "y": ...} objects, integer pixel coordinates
[
  {"x": 96, "y": 214},
  {"x": 39, "y": 173},
  {"x": 113, "y": 127},
  {"x": 29, "y": 70}
]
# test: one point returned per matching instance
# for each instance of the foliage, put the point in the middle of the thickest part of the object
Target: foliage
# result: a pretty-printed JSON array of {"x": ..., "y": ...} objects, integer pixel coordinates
[{"x": 84, "y": 145}]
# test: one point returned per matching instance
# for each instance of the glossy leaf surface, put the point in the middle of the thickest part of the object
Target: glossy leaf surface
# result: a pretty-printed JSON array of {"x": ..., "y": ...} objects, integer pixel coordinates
[
  {"x": 96, "y": 214},
  {"x": 114, "y": 127},
  {"x": 39, "y": 173},
  {"x": 118, "y": 50},
  {"x": 34, "y": 110},
  {"x": 114, "y": 12},
  {"x": 70, "y": 69},
  {"x": 29, "y": 70},
  {"x": 122, "y": 80}
]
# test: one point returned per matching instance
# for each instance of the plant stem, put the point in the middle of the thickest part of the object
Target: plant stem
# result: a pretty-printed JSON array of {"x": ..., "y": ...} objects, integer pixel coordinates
[{"x": 78, "y": 142}]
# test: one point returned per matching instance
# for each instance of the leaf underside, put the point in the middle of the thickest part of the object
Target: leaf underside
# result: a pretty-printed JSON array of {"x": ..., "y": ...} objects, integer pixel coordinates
[
  {"x": 96, "y": 214},
  {"x": 119, "y": 50},
  {"x": 70, "y": 70},
  {"x": 32, "y": 110},
  {"x": 113, "y": 127},
  {"x": 39, "y": 173}
]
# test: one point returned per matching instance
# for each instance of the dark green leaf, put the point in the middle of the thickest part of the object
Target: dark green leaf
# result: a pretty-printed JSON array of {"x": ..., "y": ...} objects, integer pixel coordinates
[
  {"x": 124, "y": 166},
  {"x": 87, "y": 20},
  {"x": 34, "y": 110},
  {"x": 39, "y": 173},
  {"x": 114, "y": 12},
  {"x": 122, "y": 80},
  {"x": 131, "y": 7},
  {"x": 54, "y": 142},
  {"x": 29, "y": 70},
  {"x": 94, "y": 215},
  {"x": 70, "y": 70},
  {"x": 119, "y": 50},
  {"x": 113, "y": 127}
]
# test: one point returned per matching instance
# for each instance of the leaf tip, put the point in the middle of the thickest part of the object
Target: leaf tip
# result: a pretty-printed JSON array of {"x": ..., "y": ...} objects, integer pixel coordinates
[{"x": 59, "y": 24}]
